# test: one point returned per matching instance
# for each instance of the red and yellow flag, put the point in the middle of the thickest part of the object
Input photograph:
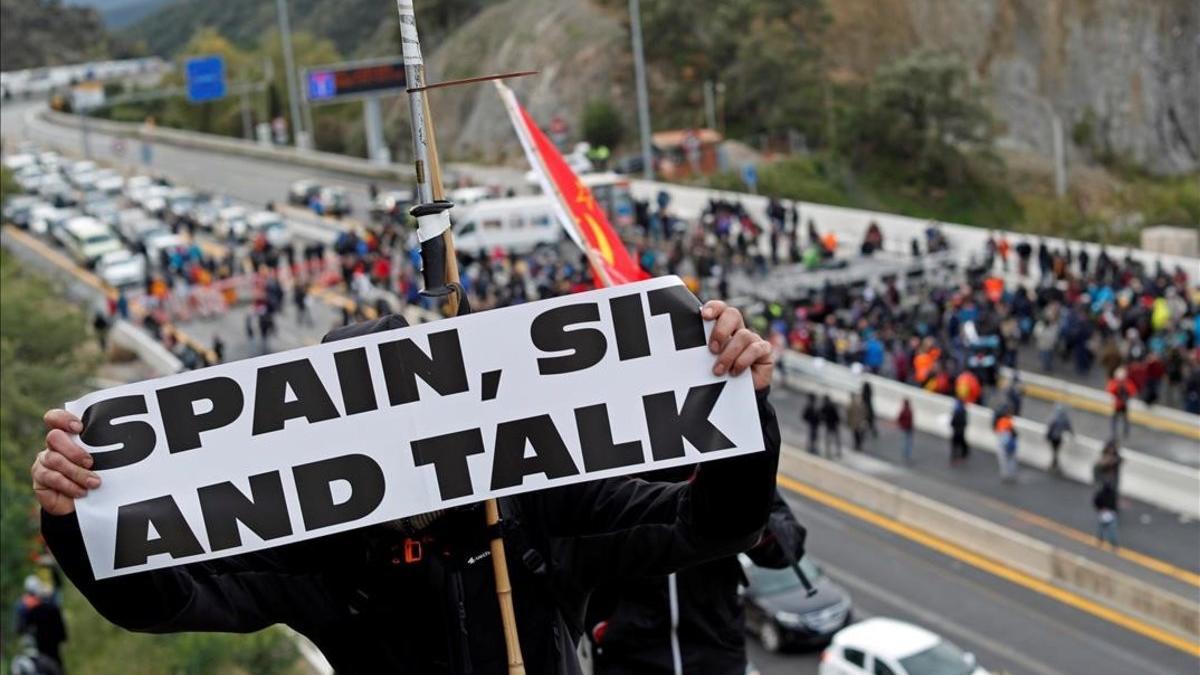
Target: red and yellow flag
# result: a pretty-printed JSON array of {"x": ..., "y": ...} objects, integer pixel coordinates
[{"x": 583, "y": 219}]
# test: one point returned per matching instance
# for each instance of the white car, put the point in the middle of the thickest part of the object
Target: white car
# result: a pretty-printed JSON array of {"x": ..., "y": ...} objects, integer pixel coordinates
[
  {"x": 230, "y": 222},
  {"x": 880, "y": 646},
  {"x": 157, "y": 241},
  {"x": 88, "y": 239},
  {"x": 270, "y": 224},
  {"x": 121, "y": 268}
]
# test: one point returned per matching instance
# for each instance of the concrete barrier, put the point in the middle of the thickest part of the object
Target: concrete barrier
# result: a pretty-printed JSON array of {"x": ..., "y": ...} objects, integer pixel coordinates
[
  {"x": 150, "y": 351},
  {"x": 235, "y": 146},
  {"x": 1008, "y": 548},
  {"x": 1165, "y": 484},
  {"x": 1160, "y": 417},
  {"x": 851, "y": 225}
]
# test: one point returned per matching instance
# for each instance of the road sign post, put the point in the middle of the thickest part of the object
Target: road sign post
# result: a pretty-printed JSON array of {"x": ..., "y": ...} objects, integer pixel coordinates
[{"x": 205, "y": 79}]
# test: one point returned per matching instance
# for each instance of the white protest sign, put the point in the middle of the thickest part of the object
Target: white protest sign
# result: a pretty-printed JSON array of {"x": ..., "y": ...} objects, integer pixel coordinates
[{"x": 309, "y": 442}]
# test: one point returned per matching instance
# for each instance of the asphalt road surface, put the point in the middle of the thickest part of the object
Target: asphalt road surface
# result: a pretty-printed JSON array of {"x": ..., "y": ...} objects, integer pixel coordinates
[{"x": 1009, "y": 627}]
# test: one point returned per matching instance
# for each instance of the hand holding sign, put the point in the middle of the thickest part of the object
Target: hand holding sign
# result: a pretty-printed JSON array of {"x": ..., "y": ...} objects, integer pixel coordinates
[
  {"x": 61, "y": 471},
  {"x": 736, "y": 346}
]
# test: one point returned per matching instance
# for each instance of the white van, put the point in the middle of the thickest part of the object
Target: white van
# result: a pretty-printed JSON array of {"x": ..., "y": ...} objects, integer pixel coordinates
[
  {"x": 87, "y": 239},
  {"x": 516, "y": 225}
]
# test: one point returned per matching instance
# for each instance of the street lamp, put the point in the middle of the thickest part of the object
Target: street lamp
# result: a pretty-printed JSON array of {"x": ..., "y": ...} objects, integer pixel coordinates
[
  {"x": 299, "y": 136},
  {"x": 639, "y": 70}
]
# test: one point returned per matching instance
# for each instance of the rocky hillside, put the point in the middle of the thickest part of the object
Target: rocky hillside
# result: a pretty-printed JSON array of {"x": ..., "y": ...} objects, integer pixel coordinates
[
  {"x": 37, "y": 33},
  {"x": 579, "y": 49},
  {"x": 1123, "y": 76}
]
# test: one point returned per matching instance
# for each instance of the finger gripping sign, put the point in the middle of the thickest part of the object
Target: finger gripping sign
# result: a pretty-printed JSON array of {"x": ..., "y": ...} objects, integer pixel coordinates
[{"x": 305, "y": 443}]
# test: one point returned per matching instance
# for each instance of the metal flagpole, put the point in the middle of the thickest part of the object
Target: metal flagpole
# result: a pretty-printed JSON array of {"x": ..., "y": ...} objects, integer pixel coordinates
[{"x": 440, "y": 272}]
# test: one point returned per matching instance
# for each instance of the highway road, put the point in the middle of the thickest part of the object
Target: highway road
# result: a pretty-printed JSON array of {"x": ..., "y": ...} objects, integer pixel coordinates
[{"x": 1011, "y": 627}]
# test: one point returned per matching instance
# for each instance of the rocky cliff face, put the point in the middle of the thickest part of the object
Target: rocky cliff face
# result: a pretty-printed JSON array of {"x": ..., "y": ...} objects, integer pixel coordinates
[
  {"x": 1128, "y": 70},
  {"x": 580, "y": 50}
]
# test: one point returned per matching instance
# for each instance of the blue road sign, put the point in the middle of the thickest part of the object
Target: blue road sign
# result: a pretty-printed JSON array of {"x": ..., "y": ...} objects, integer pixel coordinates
[
  {"x": 205, "y": 79},
  {"x": 322, "y": 85}
]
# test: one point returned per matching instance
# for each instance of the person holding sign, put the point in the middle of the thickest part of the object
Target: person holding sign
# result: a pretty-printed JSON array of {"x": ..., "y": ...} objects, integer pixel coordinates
[{"x": 416, "y": 593}]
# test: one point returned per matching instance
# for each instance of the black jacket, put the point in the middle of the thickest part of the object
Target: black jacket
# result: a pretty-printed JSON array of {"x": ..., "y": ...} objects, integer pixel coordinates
[
  {"x": 368, "y": 610},
  {"x": 710, "y": 629}
]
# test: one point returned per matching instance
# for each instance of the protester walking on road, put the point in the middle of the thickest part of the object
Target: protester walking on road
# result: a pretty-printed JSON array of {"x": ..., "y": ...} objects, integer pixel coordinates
[
  {"x": 905, "y": 421},
  {"x": 300, "y": 298},
  {"x": 856, "y": 420},
  {"x": 1014, "y": 395},
  {"x": 812, "y": 418},
  {"x": 1105, "y": 503},
  {"x": 1107, "y": 468},
  {"x": 1122, "y": 389},
  {"x": 868, "y": 399},
  {"x": 1006, "y": 437},
  {"x": 831, "y": 419},
  {"x": 958, "y": 433},
  {"x": 1058, "y": 426},
  {"x": 1106, "y": 476}
]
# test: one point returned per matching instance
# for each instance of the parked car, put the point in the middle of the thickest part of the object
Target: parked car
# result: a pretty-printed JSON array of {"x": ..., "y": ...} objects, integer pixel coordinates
[
  {"x": 391, "y": 204},
  {"x": 880, "y": 646},
  {"x": 157, "y": 241},
  {"x": 104, "y": 210},
  {"x": 302, "y": 191},
  {"x": 121, "y": 268},
  {"x": 270, "y": 224},
  {"x": 331, "y": 201},
  {"x": 206, "y": 212},
  {"x": 87, "y": 239},
  {"x": 781, "y": 613},
  {"x": 18, "y": 209},
  {"x": 466, "y": 196},
  {"x": 231, "y": 223},
  {"x": 179, "y": 201},
  {"x": 51, "y": 220}
]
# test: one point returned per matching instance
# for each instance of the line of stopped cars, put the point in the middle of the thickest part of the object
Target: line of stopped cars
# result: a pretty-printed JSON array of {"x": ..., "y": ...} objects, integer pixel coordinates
[{"x": 123, "y": 228}]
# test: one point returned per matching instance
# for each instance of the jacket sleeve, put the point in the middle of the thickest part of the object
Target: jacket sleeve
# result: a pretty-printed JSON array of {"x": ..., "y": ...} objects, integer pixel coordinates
[
  {"x": 782, "y": 542},
  {"x": 236, "y": 594},
  {"x": 627, "y": 527}
]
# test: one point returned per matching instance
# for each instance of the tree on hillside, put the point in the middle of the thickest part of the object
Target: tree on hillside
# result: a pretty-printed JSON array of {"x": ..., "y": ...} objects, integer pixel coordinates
[
  {"x": 41, "y": 336},
  {"x": 767, "y": 53},
  {"x": 922, "y": 111},
  {"x": 222, "y": 116},
  {"x": 601, "y": 124}
]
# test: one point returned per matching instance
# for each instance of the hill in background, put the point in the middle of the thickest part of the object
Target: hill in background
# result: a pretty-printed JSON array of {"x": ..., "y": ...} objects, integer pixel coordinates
[{"x": 37, "y": 33}]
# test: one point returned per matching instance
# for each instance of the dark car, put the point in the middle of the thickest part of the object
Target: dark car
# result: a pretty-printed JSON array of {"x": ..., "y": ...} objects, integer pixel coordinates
[
  {"x": 781, "y": 613},
  {"x": 302, "y": 192}
]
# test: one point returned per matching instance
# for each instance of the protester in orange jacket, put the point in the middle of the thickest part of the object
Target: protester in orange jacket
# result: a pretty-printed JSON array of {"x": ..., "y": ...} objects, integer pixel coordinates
[{"x": 1121, "y": 388}]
